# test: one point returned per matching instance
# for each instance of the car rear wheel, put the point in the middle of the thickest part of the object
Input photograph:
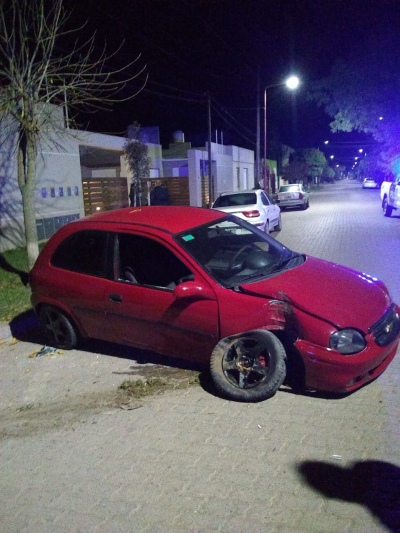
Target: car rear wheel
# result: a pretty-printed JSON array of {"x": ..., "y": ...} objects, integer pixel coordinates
[
  {"x": 59, "y": 330},
  {"x": 249, "y": 367},
  {"x": 387, "y": 209}
]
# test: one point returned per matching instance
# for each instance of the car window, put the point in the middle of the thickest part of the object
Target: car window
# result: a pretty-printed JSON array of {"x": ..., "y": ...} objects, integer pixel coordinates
[
  {"x": 144, "y": 261},
  {"x": 265, "y": 199},
  {"x": 84, "y": 252},
  {"x": 232, "y": 251},
  {"x": 231, "y": 200},
  {"x": 289, "y": 188}
]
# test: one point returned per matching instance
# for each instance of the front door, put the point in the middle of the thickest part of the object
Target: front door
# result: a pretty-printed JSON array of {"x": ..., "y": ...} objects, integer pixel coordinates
[{"x": 142, "y": 310}]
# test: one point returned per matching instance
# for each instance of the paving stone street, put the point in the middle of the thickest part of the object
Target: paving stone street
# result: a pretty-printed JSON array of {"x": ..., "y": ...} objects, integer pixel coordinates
[{"x": 187, "y": 461}]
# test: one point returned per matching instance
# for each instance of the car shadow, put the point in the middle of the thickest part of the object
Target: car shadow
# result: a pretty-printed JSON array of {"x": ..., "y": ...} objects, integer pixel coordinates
[
  {"x": 373, "y": 484},
  {"x": 5, "y": 265},
  {"x": 26, "y": 327}
]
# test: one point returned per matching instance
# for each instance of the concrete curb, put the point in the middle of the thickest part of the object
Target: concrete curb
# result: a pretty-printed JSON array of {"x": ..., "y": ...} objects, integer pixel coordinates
[{"x": 5, "y": 331}]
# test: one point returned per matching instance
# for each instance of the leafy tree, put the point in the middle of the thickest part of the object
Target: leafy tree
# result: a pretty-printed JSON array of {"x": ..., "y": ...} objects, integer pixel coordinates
[
  {"x": 304, "y": 165},
  {"x": 38, "y": 73},
  {"x": 316, "y": 162},
  {"x": 297, "y": 169},
  {"x": 328, "y": 174},
  {"x": 361, "y": 94},
  {"x": 136, "y": 155}
]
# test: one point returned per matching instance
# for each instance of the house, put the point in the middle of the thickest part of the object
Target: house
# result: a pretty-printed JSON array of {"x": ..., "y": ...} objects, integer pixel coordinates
[
  {"x": 80, "y": 174},
  {"x": 83, "y": 173},
  {"x": 232, "y": 168}
]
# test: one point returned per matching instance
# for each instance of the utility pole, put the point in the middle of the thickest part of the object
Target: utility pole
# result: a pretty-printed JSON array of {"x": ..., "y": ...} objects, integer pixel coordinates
[
  {"x": 257, "y": 162},
  {"x": 210, "y": 176}
]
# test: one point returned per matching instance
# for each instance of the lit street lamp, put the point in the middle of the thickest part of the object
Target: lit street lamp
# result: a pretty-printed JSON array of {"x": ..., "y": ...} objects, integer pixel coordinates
[{"x": 291, "y": 83}]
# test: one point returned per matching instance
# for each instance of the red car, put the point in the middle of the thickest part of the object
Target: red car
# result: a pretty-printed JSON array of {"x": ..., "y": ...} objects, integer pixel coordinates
[{"x": 209, "y": 287}]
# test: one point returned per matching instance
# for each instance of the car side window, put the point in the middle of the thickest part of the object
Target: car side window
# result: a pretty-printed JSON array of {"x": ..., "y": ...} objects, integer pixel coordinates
[
  {"x": 84, "y": 252},
  {"x": 265, "y": 199},
  {"x": 145, "y": 261}
]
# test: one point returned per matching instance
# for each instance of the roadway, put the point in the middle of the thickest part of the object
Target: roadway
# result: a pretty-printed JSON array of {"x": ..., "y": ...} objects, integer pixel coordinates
[{"x": 189, "y": 462}]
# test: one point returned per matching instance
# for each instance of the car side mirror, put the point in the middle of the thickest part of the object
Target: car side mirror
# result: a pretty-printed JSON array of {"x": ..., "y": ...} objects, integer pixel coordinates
[{"x": 194, "y": 290}]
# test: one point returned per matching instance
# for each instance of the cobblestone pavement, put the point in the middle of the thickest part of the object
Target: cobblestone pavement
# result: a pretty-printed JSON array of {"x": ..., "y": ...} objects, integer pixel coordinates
[{"x": 187, "y": 461}]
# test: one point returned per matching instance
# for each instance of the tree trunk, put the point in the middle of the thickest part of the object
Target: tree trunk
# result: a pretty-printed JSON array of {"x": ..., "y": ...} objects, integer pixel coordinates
[{"x": 26, "y": 180}]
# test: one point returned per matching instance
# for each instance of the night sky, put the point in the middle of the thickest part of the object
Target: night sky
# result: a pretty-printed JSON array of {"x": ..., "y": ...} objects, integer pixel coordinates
[{"x": 192, "y": 47}]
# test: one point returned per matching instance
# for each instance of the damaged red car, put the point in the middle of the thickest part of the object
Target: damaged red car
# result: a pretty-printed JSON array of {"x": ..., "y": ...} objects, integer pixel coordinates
[{"x": 198, "y": 284}]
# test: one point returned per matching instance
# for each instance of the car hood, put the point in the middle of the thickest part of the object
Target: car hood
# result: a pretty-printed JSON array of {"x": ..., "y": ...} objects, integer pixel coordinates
[{"x": 337, "y": 294}]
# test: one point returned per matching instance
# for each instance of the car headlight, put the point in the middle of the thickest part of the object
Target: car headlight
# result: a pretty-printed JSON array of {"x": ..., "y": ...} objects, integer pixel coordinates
[{"x": 347, "y": 341}]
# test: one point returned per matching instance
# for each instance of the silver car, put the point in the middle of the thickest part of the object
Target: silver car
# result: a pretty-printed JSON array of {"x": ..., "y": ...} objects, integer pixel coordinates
[
  {"x": 293, "y": 195},
  {"x": 255, "y": 206}
]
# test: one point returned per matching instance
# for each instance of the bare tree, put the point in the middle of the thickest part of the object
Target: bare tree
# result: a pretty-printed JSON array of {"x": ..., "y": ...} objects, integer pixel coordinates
[{"x": 36, "y": 74}]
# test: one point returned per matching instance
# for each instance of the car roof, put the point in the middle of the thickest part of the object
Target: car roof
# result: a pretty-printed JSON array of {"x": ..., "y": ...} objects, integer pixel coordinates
[
  {"x": 173, "y": 219},
  {"x": 239, "y": 192}
]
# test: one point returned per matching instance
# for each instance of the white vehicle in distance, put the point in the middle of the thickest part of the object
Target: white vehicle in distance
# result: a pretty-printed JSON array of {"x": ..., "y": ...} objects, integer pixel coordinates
[
  {"x": 370, "y": 183},
  {"x": 255, "y": 206},
  {"x": 293, "y": 195}
]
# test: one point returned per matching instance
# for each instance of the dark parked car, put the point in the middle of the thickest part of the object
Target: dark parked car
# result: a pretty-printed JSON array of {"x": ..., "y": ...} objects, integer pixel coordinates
[{"x": 209, "y": 287}]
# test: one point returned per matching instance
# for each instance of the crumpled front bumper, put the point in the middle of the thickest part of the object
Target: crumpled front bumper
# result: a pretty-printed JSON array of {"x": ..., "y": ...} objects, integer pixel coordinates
[{"x": 328, "y": 370}]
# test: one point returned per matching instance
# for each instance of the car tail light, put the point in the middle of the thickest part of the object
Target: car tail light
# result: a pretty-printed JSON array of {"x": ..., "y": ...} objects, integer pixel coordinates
[
  {"x": 251, "y": 214},
  {"x": 301, "y": 195}
]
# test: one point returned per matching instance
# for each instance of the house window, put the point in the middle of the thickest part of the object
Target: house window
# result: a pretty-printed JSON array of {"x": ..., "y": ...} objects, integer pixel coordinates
[
  {"x": 52, "y": 192},
  {"x": 61, "y": 191},
  {"x": 44, "y": 192},
  {"x": 245, "y": 178}
]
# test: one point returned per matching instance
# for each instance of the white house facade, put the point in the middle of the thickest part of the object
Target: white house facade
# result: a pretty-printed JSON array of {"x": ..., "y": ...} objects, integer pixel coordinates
[{"x": 86, "y": 172}]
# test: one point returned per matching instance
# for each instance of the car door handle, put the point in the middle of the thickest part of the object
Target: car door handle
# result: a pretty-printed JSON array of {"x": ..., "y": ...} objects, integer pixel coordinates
[{"x": 115, "y": 297}]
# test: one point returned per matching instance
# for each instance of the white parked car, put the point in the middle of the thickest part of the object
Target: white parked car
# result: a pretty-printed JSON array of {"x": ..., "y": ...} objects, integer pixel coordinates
[
  {"x": 255, "y": 206},
  {"x": 293, "y": 195}
]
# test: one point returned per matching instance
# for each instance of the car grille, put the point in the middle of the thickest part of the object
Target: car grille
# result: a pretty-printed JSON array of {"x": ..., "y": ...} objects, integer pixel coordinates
[{"x": 387, "y": 329}]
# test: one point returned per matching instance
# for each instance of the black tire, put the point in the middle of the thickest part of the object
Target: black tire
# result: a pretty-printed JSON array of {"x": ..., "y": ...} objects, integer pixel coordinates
[
  {"x": 387, "y": 209},
  {"x": 249, "y": 367},
  {"x": 59, "y": 330}
]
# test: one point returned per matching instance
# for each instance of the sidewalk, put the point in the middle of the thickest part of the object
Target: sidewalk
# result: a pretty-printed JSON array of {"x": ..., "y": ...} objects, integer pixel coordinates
[{"x": 187, "y": 461}]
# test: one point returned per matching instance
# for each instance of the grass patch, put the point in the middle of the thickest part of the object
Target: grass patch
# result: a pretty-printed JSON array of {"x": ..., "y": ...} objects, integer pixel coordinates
[
  {"x": 15, "y": 293},
  {"x": 138, "y": 388}
]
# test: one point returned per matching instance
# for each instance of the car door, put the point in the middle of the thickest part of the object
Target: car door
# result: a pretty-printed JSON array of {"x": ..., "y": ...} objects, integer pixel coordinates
[
  {"x": 271, "y": 209},
  {"x": 142, "y": 308}
]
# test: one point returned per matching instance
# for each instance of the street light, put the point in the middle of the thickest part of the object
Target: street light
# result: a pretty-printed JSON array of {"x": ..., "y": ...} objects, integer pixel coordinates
[{"x": 291, "y": 83}]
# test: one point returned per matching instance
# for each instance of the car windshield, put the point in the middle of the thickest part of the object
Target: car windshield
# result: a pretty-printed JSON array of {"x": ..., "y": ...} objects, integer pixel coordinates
[
  {"x": 230, "y": 200},
  {"x": 233, "y": 251},
  {"x": 289, "y": 188}
]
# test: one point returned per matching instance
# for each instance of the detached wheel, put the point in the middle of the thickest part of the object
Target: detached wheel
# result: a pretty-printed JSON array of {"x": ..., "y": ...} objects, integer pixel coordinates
[
  {"x": 58, "y": 328},
  {"x": 249, "y": 367},
  {"x": 387, "y": 209}
]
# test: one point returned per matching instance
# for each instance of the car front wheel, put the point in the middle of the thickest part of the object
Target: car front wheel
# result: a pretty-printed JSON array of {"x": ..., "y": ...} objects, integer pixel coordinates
[
  {"x": 387, "y": 209},
  {"x": 249, "y": 367},
  {"x": 59, "y": 330}
]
